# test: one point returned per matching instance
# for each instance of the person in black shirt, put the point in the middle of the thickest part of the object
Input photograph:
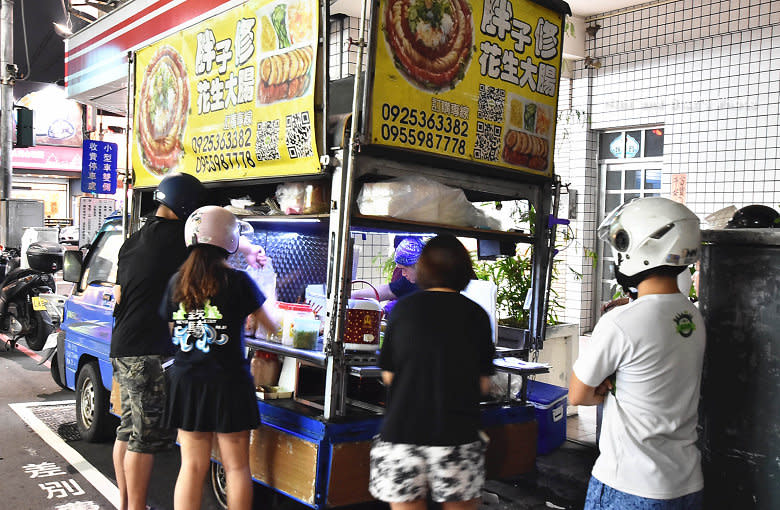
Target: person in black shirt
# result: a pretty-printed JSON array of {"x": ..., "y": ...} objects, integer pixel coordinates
[
  {"x": 212, "y": 392},
  {"x": 140, "y": 339},
  {"x": 436, "y": 358}
]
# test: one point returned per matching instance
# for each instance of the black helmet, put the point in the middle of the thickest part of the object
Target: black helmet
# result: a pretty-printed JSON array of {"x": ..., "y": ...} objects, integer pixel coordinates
[
  {"x": 181, "y": 193},
  {"x": 755, "y": 216}
]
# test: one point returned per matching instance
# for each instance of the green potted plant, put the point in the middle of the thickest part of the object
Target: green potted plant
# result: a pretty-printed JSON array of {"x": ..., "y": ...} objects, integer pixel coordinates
[{"x": 512, "y": 276}]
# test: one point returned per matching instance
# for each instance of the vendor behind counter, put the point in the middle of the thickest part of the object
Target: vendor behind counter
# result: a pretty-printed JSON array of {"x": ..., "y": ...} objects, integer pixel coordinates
[{"x": 407, "y": 252}]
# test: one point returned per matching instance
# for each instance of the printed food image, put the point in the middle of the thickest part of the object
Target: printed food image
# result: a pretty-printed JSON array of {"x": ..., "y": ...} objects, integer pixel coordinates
[
  {"x": 431, "y": 40},
  {"x": 285, "y": 76},
  {"x": 516, "y": 112},
  {"x": 162, "y": 111},
  {"x": 525, "y": 150},
  {"x": 543, "y": 120},
  {"x": 267, "y": 35},
  {"x": 278, "y": 18},
  {"x": 529, "y": 117},
  {"x": 300, "y": 22}
]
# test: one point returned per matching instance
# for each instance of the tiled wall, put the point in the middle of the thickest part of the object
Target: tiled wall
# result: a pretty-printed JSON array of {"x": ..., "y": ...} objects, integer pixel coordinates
[
  {"x": 374, "y": 250},
  {"x": 343, "y": 55},
  {"x": 709, "y": 73}
]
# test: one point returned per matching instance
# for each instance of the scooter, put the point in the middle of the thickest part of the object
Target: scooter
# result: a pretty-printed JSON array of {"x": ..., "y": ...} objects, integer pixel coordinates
[{"x": 28, "y": 303}]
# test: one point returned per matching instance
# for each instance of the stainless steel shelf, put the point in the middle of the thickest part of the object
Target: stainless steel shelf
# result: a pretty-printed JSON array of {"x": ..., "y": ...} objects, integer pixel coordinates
[
  {"x": 387, "y": 223},
  {"x": 317, "y": 358}
]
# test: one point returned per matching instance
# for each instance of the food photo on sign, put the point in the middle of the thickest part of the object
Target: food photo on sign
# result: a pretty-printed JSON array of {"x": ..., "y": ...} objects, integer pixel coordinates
[
  {"x": 162, "y": 111},
  {"x": 287, "y": 36},
  {"x": 470, "y": 80}
]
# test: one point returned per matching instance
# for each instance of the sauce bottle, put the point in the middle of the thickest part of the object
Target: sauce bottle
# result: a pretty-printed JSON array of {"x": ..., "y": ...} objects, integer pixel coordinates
[{"x": 265, "y": 368}]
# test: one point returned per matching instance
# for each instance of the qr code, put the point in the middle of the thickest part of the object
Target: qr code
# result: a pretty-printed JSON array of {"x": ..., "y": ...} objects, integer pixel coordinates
[
  {"x": 490, "y": 104},
  {"x": 487, "y": 142},
  {"x": 267, "y": 145},
  {"x": 299, "y": 135}
]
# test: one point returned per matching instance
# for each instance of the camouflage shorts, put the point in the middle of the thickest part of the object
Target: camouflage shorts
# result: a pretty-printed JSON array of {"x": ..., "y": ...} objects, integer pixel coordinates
[{"x": 142, "y": 391}]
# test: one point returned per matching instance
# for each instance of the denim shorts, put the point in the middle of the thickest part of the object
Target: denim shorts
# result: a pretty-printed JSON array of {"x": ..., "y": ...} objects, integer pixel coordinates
[
  {"x": 142, "y": 392},
  {"x": 409, "y": 472},
  {"x": 604, "y": 497}
]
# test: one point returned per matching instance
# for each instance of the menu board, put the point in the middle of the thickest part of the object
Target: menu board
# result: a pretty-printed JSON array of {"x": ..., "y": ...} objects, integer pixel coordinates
[
  {"x": 231, "y": 97},
  {"x": 92, "y": 213},
  {"x": 467, "y": 79}
]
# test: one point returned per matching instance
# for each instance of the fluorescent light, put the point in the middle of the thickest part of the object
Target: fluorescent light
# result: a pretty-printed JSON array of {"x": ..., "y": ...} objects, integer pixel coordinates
[{"x": 62, "y": 30}]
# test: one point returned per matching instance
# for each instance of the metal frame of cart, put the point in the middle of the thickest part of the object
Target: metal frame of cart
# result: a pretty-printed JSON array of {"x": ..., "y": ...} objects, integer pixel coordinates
[{"x": 329, "y": 438}]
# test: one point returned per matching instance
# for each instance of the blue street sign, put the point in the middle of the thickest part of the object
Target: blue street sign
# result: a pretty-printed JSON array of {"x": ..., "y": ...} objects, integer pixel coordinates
[{"x": 98, "y": 167}]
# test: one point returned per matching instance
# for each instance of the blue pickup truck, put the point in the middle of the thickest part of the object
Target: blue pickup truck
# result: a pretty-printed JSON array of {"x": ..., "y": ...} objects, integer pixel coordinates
[{"x": 85, "y": 338}]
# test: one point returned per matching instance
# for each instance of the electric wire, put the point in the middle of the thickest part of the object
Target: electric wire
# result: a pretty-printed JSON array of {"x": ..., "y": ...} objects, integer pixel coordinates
[{"x": 26, "y": 52}]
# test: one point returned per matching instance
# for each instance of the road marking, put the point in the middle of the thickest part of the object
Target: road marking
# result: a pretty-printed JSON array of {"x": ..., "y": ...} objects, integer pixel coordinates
[
  {"x": 98, "y": 480},
  {"x": 34, "y": 355}
]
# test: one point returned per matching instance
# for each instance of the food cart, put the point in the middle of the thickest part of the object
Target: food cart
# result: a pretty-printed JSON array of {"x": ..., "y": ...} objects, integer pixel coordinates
[{"x": 456, "y": 92}]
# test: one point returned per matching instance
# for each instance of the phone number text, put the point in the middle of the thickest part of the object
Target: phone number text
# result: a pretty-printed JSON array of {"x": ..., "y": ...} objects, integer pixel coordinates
[
  {"x": 224, "y": 161},
  {"x": 225, "y": 141}
]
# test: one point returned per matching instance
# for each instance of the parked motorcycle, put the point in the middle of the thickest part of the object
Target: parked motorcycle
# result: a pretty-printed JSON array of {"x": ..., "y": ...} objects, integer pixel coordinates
[{"x": 28, "y": 299}]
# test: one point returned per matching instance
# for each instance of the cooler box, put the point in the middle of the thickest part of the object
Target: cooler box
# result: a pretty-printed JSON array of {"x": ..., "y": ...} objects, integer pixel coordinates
[{"x": 550, "y": 404}]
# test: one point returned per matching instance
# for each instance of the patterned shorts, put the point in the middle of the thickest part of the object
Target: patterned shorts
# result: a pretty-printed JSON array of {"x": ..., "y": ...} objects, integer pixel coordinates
[
  {"x": 603, "y": 497},
  {"x": 406, "y": 472},
  {"x": 142, "y": 392}
]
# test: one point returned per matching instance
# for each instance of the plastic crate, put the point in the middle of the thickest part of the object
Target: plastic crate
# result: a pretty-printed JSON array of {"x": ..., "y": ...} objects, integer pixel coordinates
[{"x": 549, "y": 402}]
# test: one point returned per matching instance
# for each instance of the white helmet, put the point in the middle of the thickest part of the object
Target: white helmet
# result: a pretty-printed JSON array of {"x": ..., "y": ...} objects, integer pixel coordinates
[
  {"x": 215, "y": 226},
  {"x": 651, "y": 232}
]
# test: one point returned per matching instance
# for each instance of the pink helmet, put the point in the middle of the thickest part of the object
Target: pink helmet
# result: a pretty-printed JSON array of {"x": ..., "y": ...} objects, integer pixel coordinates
[{"x": 215, "y": 226}]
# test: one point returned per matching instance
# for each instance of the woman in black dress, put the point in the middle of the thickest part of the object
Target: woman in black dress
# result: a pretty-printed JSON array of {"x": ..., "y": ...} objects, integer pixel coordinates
[
  {"x": 437, "y": 357},
  {"x": 211, "y": 388}
]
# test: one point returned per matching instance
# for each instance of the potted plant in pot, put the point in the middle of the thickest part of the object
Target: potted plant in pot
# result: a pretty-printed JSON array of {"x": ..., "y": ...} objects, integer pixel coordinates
[{"x": 512, "y": 276}]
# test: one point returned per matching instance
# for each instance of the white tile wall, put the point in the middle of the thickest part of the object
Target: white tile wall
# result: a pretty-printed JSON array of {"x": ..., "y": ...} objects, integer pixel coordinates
[{"x": 709, "y": 73}]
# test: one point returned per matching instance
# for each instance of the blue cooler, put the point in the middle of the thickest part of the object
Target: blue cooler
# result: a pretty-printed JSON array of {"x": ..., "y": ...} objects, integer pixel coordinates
[{"x": 550, "y": 404}]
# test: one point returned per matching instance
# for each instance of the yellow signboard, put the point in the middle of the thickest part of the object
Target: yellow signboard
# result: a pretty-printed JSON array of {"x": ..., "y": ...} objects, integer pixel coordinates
[
  {"x": 468, "y": 79},
  {"x": 231, "y": 97}
]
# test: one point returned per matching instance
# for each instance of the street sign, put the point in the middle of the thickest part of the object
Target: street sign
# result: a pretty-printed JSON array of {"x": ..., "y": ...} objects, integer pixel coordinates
[{"x": 98, "y": 167}]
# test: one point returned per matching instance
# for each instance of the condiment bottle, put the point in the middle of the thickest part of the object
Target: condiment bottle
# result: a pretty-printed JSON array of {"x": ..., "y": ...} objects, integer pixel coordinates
[{"x": 265, "y": 368}]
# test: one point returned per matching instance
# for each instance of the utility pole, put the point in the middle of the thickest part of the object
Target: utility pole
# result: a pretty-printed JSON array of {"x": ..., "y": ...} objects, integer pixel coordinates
[{"x": 7, "y": 78}]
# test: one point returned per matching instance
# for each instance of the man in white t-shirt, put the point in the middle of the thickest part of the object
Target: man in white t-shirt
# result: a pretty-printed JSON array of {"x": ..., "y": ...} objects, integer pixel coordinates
[{"x": 644, "y": 363}]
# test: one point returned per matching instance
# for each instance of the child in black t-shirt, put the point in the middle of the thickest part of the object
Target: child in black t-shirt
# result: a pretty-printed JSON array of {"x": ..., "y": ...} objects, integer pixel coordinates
[
  {"x": 211, "y": 388},
  {"x": 436, "y": 358}
]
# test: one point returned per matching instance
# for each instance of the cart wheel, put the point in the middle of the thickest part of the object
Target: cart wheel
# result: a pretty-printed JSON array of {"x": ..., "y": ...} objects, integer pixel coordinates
[{"x": 218, "y": 483}]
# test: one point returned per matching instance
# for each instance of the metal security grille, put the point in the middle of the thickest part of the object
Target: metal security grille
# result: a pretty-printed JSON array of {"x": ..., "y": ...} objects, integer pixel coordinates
[
  {"x": 59, "y": 418},
  {"x": 298, "y": 260}
]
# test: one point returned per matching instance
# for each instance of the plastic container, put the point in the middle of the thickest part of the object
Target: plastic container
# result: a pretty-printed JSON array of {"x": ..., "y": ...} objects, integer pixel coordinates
[
  {"x": 290, "y": 312},
  {"x": 265, "y": 368},
  {"x": 305, "y": 333},
  {"x": 362, "y": 328},
  {"x": 549, "y": 402},
  {"x": 45, "y": 256}
]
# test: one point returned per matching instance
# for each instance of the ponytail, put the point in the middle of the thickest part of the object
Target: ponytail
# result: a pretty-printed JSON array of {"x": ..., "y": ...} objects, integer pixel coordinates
[{"x": 201, "y": 277}]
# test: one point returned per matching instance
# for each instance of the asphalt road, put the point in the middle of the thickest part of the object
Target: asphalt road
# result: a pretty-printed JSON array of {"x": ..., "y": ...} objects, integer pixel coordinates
[
  {"x": 46, "y": 465},
  {"x": 44, "y": 462}
]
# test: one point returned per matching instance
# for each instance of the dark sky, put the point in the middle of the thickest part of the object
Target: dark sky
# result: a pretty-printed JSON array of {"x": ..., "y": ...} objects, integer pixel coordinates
[{"x": 46, "y": 48}]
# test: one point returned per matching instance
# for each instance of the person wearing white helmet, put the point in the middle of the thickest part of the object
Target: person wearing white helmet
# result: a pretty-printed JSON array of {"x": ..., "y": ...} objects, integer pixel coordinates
[
  {"x": 212, "y": 392},
  {"x": 644, "y": 363},
  {"x": 140, "y": 339}
]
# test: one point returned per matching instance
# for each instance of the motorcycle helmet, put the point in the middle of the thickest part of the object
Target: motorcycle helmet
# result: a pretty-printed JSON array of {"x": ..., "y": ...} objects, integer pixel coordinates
[
  {"x": 181, "y": 193},
  {"x": 650, "y": 233},
  {"x": 755, "y": 216},
  {"x": 408, "y": 251},
  {"x": 215, "y": 226}
]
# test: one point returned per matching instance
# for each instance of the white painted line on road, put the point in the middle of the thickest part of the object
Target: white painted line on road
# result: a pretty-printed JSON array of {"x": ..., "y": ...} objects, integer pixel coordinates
[{"x": 74, "y": 458}]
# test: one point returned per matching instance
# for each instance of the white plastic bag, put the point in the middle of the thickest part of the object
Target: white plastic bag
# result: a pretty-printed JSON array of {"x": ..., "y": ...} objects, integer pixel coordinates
[
  {"x": 420, "y": 199},
  {"x": 265, "y": 278},
  {"x": 291, "y": 197}
]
